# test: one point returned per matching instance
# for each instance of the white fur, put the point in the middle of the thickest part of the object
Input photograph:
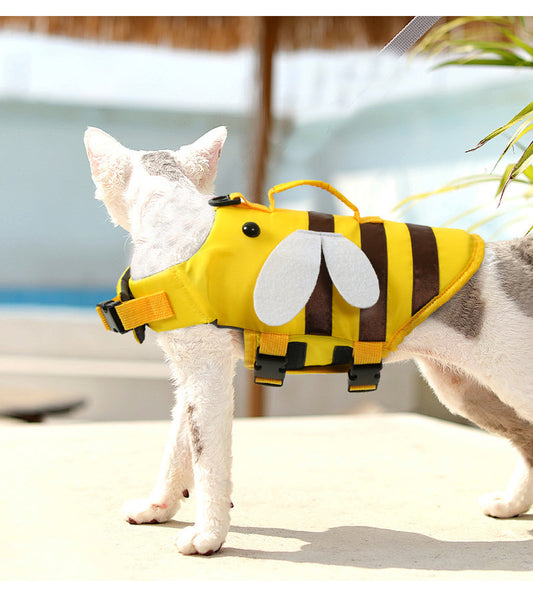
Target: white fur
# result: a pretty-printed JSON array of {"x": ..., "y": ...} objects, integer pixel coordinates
[
  {"x": 516, "y": 499},
  {"x": 168, "y": 221},
  {"x": 500, "y": 366}
]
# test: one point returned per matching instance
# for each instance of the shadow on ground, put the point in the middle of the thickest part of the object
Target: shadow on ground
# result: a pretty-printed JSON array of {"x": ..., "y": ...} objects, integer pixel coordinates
[{"x": 378, "y": 548}]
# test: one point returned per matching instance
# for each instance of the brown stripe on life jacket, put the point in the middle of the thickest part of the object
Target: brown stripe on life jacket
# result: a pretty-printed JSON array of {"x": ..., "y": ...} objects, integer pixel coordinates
[
  {"x": 425, "y": 265},
  {"x": 373, "y": 320},
  {"x": 319, "y": 308}
]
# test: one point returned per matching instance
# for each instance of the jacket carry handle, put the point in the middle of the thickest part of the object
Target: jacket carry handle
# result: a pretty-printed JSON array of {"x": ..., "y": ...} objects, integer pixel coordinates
[{"x": 319, "y": 184}]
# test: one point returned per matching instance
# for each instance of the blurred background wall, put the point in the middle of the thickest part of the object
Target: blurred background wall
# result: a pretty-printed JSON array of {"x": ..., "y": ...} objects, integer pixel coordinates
[{"x": 302, "y": 98}]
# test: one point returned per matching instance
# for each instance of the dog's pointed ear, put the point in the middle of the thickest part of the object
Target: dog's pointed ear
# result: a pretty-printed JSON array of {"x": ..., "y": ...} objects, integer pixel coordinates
[
  {"x": 111, "y": 167},
  {"x": 199, "y": 160}
]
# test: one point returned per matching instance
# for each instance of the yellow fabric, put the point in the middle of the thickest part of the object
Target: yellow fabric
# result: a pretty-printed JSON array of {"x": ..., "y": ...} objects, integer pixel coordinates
[
  {"x": 400, "y": 276},
  {"x": 458, "y": 248},
  {"x": 250, "y": 347},
  {"x": 266, "y": 381},
  {"x": 367, "y": 352},
  {"x": 272, "y": 344},
  {"x": 361, "y": 388},
  {"x": 216, "y": 284},
  {"x": 318, "y": 183},
  {"x": 144, "y": 310},
  {"x": 190, "y": 307},
  {"x": 318, "y": 356}
]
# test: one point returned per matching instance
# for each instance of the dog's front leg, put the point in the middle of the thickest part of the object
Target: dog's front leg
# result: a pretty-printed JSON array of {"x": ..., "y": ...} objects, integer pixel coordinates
[
  {"x": 203, "y": 361},
  {"x": 174, "y": 479}
]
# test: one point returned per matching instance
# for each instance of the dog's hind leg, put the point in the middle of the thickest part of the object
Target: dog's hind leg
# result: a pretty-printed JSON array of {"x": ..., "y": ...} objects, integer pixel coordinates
[
  {"x": 174, "y": 479},
  {"x": 465, "y": 396}
]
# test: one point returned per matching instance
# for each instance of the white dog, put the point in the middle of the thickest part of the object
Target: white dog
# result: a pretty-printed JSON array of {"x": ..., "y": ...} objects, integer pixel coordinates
[{"x": 475, "y": 350}]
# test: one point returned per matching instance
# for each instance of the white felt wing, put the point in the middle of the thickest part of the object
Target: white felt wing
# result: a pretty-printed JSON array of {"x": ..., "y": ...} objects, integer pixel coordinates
[
  {"x": 287, "y": 278},
  {"x": 350, "y": 270}
]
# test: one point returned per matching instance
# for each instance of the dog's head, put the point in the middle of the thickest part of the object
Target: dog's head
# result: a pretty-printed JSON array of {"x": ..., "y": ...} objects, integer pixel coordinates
[{"x": 158, "y": 196}]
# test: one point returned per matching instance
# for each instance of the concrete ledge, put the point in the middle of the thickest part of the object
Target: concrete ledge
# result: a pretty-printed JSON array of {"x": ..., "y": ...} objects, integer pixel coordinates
[
  {"x": 70, "y": 351},
  {"x": 368, "y": 497}
]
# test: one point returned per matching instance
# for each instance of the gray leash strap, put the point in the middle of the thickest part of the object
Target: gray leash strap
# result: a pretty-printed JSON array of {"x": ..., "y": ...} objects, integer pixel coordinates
[{"x": 410, "y": 34}]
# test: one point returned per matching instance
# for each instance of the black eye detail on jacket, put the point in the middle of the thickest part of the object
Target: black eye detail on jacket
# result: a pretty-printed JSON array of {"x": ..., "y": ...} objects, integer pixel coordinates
[{"x": 251, "y": 229}]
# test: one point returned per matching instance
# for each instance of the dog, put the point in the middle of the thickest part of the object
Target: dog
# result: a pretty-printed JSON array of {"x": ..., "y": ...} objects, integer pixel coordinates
[{"x": 474, "y": 350}]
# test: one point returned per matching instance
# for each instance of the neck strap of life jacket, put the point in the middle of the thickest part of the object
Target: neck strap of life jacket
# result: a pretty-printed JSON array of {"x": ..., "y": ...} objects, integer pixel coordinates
[
  {"x": 268, "y": 355},
  {"x": 125, "y": 313}
]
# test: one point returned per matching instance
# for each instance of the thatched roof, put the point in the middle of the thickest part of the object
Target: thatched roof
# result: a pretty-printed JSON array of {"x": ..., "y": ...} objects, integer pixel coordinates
[{"x": 219, "y": 33}]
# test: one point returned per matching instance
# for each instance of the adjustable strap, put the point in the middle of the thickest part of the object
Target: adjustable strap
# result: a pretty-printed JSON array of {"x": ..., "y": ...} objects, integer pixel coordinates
[
  {"x": 365, "y": 371},
  {"x": 410, "y": 34},
  {"x": 125, "y": 312},
  {"x": 270, "y": 363}
]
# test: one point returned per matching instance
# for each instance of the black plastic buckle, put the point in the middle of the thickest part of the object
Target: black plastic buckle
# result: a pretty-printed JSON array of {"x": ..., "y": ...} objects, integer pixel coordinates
[
  {"x": 223, "y": 200},
  {"x": 269, "y": 367},
  {"x": 111, "y": 316},
  {"x": 364, "y": 375}
]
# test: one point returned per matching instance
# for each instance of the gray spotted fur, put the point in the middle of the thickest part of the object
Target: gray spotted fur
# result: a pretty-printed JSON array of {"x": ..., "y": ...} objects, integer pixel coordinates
[
  {"x": 161, "y": 163},
  {"x": 196, "y": 442},
  {"x": 465, "y": 311},
  {"x": 514, "y": 263}
]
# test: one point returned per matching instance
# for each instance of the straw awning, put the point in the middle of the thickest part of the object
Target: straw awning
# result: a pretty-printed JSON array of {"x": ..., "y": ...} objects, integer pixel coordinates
[{"x": 213, "y": 33}]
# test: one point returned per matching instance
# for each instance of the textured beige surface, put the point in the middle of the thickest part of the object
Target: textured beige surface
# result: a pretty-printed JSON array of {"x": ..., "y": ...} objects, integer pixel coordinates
[{"x": 345, "y": 497}]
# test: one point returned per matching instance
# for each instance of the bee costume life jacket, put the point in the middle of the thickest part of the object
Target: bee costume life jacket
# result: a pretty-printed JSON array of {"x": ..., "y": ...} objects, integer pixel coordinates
[{"x": 312, "y": 292}]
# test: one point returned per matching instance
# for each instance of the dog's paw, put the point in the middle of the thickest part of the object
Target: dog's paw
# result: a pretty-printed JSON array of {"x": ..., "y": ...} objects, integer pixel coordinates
[
  {"x": 496, "y": 504},
  {"x": 194, "y": 541},
  {"x": 145, "y": 511}
]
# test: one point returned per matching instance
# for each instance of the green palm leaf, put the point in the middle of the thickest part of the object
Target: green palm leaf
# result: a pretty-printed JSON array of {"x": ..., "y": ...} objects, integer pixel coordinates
[
  {"x": 503, "y": 50},
  {"x": 521, "y": 131},
  {"x": 499, "y": 214},
  {"x": 511, "y": 48},
  {"x": 454, "y": 185},
  {"x": 520, "y": 166},
  {"x": 435, "y": 40},
  {"x": 504, "y": 179},
  {"x": 518, "y": 42},
  {"x": 524, "y": 114}
]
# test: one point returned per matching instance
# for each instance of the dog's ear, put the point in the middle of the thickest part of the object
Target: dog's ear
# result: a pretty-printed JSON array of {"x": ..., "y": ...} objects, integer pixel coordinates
[
  {"x": 199, "y": 160},
  {"x": 111, "y": 167}
]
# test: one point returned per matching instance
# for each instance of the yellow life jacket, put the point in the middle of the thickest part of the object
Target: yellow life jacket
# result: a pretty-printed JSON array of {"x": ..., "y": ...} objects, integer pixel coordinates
[{"x": 311, "y": 292}]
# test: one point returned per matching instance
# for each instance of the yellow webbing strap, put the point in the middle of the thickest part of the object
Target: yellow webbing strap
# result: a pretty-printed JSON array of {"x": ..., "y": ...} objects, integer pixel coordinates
[
  {"x": 144, "y": 310},
  {"x": 319, "y": 184},
  {"x": 140, "y": 311},
  {"x": 271, "y": 344},
  {"x": 265, "y": 381},
  {"x": 250, "y": 348},
  {"x": 366, "y": 352}
]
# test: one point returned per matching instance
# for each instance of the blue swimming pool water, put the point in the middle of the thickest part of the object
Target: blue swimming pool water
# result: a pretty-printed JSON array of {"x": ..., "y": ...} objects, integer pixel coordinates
[{"x": 49, "y": 297}]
